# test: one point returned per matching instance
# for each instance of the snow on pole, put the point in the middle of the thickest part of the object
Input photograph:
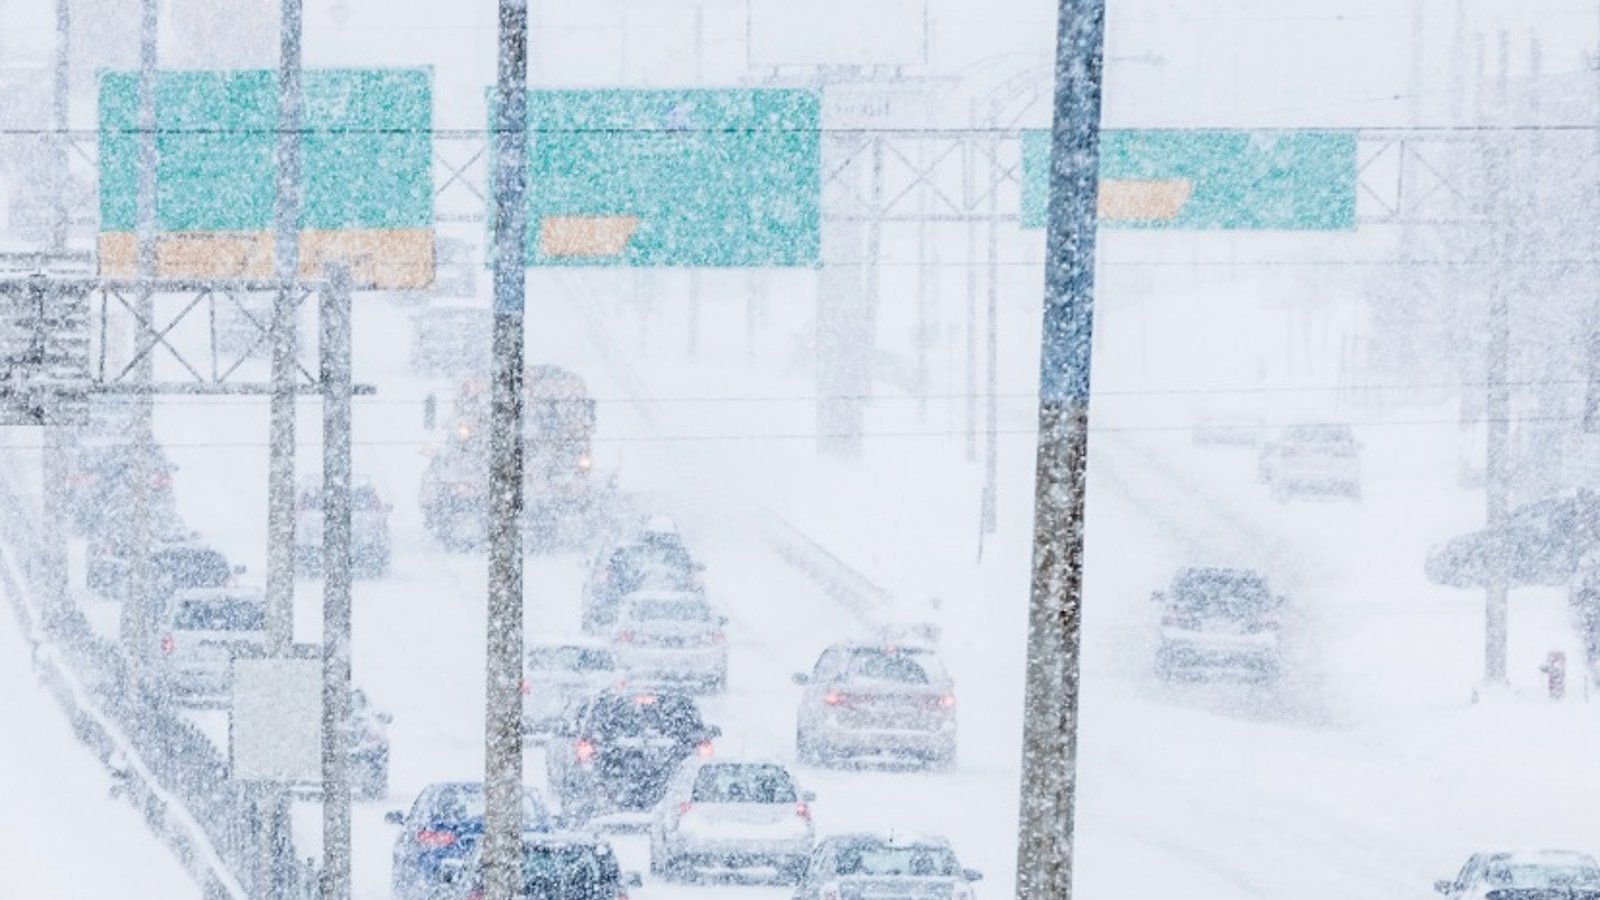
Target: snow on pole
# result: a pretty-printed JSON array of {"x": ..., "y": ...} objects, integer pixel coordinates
[
  {"x": 502, "y": 849},
  {"x": 336, "y": 537},
  {"x": 1049, "y": 762}
]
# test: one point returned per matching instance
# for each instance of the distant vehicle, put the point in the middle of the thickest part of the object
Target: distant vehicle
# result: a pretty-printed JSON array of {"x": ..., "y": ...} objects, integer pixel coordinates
[
  {"x": 617, "y": 751},
  {"x": 1228, "y": 431},
  {"x": 671, "y": 637},
  {"x": 866, "y": 865},
  {"x": 1545, "y": 541},
  {"x": 202, "y": 631},
  {"x": 907, "y": 634},
  {"x": 559, "y": 675},
  {"x": 629, "y": 566},
  {"x": 732, "y": 816},
  {"x": 437, "y": 836},
  {"x": 556, "y": 866},
  {"x": 100, "y": 478},
  {"x": 174, "y": 565},
  {"x": 451, "y": 337},
  {"x": 1312, "y": 459},
  {"x": 370, "y": 544},
  {"x": 561, "y": 503},
  {"x": 1218, "y": 619},
  {"x": 1532, "y": 875},
  {"x": 870, "y": 700}
]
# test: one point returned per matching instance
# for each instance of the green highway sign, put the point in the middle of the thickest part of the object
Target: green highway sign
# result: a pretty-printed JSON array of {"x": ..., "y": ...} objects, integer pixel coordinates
[
  {"x": 366, "y": 166},
  {"x": 674, "y": 178},
  {"x": 1210, "y": 179}
]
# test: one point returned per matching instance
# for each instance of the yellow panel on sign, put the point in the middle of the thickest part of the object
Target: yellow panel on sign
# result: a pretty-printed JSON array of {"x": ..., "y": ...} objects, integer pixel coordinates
[
  {"x": 1143, "y": 201},
  {"x": 399, "y": 259},
  {"x": 592, "y": 237}
]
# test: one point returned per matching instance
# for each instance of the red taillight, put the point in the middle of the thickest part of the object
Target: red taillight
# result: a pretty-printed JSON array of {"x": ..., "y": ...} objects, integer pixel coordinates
[
  {"x": 717, "y": 637},
  {"x": 435, "y": 840},
  {"x": 704, "y": 748},
  {"x": 475, "y": 895},
  {"x": 684, "y": 807},
  {"x": 584, "y": 751},
  {"x": 803, "y": 811},
  {"x": 525, "y": 687},
  {"x": 624, "y": 637},
  {"x": 833, "y": 697},
  {"x": 167, "y": 645},
  {"x": 82, "y": 480},
  {"x": 948, "y": 701}
]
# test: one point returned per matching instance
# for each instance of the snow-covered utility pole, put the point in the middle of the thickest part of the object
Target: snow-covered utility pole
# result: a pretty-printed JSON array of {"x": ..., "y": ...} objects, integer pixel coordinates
[
  {"x": 336, "y": 391},
  {"x": 286, "y": 259},
  {"x": 502, "y": 847},
  {"x": 1497, "y": 406},
  {"x": 1050, "y": 730},
  {"x": 54, "y": 471},
  {"x": 136, "y": 612}
]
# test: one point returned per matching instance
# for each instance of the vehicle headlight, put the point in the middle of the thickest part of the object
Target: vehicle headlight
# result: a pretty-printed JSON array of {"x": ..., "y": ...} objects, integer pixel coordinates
[{"x": 585, "y": 463}]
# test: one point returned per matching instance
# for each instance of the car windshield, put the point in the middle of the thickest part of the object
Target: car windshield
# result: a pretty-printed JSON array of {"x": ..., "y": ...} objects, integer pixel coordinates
[
  {"x": 684, "y": 610},
  {"x": 1221, "y": 592},
  {"x": 462, "y": 804},
  {"x": 903, "y": 666},
  {"x": 192, "y": 568},
  {"x": 220, "y": 614},
  {"x": 631, "y": 561},
  {"x": 646, "y": 715},
  {"x": 882, "y": 859},
  {"x": 732, "y": 783},
  {"x": 571, "y": 659},
  {"x": 1503, "y": 873},
  {"x": 576, "y": 871}
]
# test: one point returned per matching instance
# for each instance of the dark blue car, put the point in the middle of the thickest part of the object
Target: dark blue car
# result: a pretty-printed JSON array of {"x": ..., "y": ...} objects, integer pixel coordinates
[{"x": 443, "y": 825}]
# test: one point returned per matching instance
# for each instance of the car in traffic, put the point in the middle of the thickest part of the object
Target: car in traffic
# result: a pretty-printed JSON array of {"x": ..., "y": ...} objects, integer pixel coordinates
[
  {"x": 729, "y": 816},
  {"x": 1311, "y": 459},
  {"x": 673, "y": 638},
  {"x": 100, "y": 477},
  {"x": 1218, "y": 619},
  {"x": 555, "y": 866},
  {"x": 885, "y": 868},
  {"x": 617, "y": 751},
  {"x": 370, "y": 546},
  {"x": 202, "y": 631},
  {"x": 560, "y": 674},
  {"x": 1525, "y": 875},
  {"x": 1545, "y": 542},
  {"x": 438, "y": 835},
  {"x": 871, "y": 700},
  {"x": 626, "y": 567}
]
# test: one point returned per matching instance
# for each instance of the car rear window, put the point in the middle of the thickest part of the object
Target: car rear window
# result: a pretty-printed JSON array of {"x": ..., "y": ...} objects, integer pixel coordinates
[
  {"x": 571, "y": 872},
  {"x": 743, "y": 784},
  {"x": 668, "y": 611},
  {"x": 462, "y": 804},
  {"x": 571, "y": 659},
  {"x": 902, "y": 666},
  {"x": 645, "y": 715},
  {"x": 880, "y": 859},
  {"x": 1221, "y": 592},
  {"x": 220, "y": 614},
  {"x": 192, "y": 568},
  {"x": 1541, "y": 875}
]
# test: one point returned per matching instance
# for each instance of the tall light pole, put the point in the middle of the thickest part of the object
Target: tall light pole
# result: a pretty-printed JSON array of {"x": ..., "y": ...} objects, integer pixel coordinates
[
  {"x": 502, "y": 848},
  {"x": 1050, "y": 732}
]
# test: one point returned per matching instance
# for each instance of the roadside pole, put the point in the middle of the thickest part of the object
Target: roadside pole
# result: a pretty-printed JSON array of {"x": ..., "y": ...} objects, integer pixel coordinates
[
  {"x": 502, "y": 838},
  {"x": 136, "y": 611},
  {"x": 54, "y": 471},
  {"x": 1050, "y": 729},
  {"x": 275, "y": 842},
  {"x": 1497, "y": 405},
  {"x": 336, "y": 390}
]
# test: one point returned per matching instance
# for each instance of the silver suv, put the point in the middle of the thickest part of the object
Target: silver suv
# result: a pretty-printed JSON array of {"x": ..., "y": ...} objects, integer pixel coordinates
[{"x": 875, "y": 700}]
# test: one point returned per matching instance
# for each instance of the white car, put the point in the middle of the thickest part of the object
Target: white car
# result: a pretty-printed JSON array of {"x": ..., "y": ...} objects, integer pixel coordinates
[
  {"x": 558, "y": 675},
  {"x": 728, "y": 816},
  {"x": 869, "y": 865},
  {"x": 867, "y": 700},
  {"x": 203, "y": 630},
  {"x": 1312, "y": 459},
  {"x": 672, "y": 638},
  {"x": 1527, "y": 874},
  {"x": 370, "y": 545}
]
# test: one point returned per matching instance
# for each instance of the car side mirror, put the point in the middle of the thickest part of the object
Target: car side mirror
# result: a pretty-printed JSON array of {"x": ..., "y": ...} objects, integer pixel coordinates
[
  {"x": 1444, "y": 886},
  {"x": 394, "y": 817},
  {"x": 714, "y": 731},
  {"x": 800, "y": 678},
  {"x": 972, "y": 874},
  {"x": 385, "y": 718},
  {"x": 430, "y": 412},
  {"x": 808, "y": 796},
  {"x": 633, "y": 880}
]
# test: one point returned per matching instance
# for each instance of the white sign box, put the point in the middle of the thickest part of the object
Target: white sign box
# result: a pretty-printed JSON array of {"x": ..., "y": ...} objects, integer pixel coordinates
[{"x": 275, "y": 728}]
